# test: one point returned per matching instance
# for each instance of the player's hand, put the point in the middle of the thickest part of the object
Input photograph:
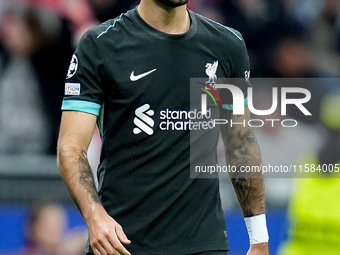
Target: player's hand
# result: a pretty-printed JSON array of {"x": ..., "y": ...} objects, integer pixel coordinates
[
  {"x": 106, "y": 235},
  {"x": 258, "y": 249}
]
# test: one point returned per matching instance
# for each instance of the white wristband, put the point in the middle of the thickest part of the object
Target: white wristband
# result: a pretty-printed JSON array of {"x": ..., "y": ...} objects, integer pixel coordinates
[{"x": 257, "y": 229}]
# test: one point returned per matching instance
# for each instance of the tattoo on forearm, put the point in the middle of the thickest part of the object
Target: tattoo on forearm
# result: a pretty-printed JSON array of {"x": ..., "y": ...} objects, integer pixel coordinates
[
  {"x": 86, "y": 177},
  {"x": 249, "y": 193},
  {"x": 242, "y": 150},
  {"x": 243, "y": 188}
]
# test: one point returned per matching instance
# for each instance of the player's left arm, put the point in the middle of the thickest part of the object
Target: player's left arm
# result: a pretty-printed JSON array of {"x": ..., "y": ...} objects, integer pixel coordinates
[{"x": 241, "y": 150}]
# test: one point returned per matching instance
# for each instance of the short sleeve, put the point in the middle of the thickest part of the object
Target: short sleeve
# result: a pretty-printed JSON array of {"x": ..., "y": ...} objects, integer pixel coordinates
[
  {"x": 84, "y": 81},
  {"x": 240, "y": 74}
]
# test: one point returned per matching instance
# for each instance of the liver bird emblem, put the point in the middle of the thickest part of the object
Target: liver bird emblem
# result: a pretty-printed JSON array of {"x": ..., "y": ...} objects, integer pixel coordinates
[{"x": 211, "y": 72}]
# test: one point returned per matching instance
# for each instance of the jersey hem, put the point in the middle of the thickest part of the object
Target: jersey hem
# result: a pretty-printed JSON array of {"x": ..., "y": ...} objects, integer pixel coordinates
[{"x": 189, "y": 250}]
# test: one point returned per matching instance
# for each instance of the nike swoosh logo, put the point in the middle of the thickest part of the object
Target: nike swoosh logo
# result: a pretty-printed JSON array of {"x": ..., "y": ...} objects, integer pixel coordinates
[{"x": 138, "y": 77}]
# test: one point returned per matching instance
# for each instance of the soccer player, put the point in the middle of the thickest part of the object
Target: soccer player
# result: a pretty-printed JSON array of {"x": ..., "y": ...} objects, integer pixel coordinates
[{"x": 131, "y": 75}]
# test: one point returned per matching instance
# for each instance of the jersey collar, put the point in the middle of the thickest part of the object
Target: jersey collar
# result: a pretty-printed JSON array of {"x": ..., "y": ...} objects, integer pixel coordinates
[{"x": 161, "y": 35}]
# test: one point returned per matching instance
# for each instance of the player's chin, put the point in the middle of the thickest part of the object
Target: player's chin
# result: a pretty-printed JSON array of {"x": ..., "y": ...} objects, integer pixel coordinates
[{"x": 173, "y": 3}]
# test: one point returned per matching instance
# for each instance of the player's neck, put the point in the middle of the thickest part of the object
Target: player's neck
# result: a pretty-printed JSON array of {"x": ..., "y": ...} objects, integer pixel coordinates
[{"x": 165, "y": 19}]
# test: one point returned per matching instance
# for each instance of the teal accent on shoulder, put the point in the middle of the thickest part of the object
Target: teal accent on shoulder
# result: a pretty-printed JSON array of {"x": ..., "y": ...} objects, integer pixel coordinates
[
  {"x": 235, "y": 32},
  {"x": 81, "y": 106},
  {"x": 111, "y": 26},
  {"x": 230, "y": 106}
]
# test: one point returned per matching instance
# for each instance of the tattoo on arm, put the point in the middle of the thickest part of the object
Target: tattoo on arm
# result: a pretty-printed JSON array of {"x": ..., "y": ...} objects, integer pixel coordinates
[
  {"x": 242, "y": 150},
  {"x": 249, "y": 193},
  {"x": 86, "y": 177}
]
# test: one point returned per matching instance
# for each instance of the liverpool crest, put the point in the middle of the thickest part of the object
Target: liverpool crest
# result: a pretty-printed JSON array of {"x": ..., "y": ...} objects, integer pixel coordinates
[{"x": 211, "y": 72}]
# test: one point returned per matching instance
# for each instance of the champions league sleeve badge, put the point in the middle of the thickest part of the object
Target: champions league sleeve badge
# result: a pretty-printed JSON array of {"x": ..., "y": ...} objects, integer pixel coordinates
[{"x": 73, "y": 67}]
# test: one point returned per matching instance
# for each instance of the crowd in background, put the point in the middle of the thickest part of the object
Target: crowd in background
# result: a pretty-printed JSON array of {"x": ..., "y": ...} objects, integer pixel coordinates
[
  {"x": 285, "y": 39},
  {"x": 47, "y": 233}
]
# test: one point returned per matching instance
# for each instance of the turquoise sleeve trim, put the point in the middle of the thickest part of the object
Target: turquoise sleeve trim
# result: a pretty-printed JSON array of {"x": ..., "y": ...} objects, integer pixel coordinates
[
  {"x": 230, "y": 106},
  {"x": 227, "y": 107},
  {"x": 81, "y": 106}
]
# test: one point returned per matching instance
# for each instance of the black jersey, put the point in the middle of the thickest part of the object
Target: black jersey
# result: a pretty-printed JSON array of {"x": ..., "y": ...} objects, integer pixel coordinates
[{"x": 137, "y": 81}]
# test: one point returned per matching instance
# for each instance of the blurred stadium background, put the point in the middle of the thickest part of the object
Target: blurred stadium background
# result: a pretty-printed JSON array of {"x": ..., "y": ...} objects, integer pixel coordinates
[{"x": 285, "y": 39}]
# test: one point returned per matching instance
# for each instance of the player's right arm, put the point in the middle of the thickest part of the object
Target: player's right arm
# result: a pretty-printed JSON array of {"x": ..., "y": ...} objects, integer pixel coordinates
[{"x": 76, "y": 130}]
